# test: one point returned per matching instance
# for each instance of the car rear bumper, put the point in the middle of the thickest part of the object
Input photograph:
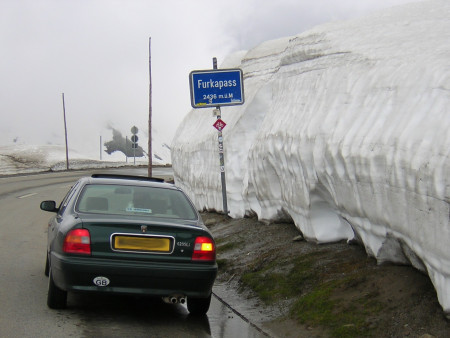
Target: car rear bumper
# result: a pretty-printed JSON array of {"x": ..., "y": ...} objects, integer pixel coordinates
[{"x": 73, "y": 273}]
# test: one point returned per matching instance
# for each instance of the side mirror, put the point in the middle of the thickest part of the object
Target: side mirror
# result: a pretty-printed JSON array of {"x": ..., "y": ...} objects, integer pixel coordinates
[{"x": 49, "y": 206}]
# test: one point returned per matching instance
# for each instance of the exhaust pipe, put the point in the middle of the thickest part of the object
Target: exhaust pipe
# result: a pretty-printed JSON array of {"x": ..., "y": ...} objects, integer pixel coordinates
[{"x": 174, "y": 299}]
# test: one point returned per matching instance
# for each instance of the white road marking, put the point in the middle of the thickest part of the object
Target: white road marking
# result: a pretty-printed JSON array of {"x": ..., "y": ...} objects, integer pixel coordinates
[{"x": 27, "y": 195}]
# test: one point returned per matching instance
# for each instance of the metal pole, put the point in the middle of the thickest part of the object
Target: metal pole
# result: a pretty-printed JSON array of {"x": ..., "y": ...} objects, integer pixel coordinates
[
  {"x": 100, "y": 147},
  {"x": 221, "y": 157},
  {"x": 65, "y": 132},
  {"x": 150, "y": 164}
]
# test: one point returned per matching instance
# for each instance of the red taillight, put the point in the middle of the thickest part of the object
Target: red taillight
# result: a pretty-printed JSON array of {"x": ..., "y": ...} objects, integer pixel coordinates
[
  {"x": 77, "y": 241},
  {"x": 204, "y": 249}
]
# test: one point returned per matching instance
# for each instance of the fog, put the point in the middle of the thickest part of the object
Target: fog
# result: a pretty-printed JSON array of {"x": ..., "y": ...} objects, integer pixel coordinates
[{"x": 97, "y": 53}]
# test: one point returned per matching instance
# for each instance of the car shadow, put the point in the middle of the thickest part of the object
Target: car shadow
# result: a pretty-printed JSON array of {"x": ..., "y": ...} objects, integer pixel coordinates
[{"x": 108, "y": 315}]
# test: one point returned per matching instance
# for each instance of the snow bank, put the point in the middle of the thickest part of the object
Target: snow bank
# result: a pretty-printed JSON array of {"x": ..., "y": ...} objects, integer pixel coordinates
[{"x": 346, "y": 131}]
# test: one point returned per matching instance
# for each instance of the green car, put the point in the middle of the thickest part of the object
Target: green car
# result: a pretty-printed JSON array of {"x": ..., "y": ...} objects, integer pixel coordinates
[{"x": 129, "y": 235}]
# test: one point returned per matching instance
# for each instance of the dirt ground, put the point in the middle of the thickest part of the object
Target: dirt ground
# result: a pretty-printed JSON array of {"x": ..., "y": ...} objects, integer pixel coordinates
[{"x": 293, "y": 288}]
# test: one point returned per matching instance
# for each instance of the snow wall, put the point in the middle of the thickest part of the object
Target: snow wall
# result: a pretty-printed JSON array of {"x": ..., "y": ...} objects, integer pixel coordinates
[{"x": 346, "y": 131}]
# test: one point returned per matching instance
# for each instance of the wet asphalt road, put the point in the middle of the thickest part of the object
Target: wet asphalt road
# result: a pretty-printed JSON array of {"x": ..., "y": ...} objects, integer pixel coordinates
[{"x": 23, "y": 291}]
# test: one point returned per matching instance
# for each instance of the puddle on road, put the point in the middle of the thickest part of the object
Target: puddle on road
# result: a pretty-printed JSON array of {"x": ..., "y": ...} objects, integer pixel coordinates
[{"x": 226, "y": 323}]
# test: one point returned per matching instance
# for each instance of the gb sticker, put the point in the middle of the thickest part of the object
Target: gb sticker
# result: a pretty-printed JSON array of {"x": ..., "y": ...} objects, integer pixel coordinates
[{"x": 101, "y": 281}]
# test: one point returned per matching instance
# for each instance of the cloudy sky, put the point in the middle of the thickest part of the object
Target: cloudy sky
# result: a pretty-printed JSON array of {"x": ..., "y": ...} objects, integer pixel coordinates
[{"x": 96, "y": 52}]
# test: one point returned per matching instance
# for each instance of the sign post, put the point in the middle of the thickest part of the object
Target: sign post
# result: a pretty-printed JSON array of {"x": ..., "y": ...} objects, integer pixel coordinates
[
  {"x": 134, "y": 140},
  {"x": 65, "y": 133},
  {"x": 216, "y": 88}
]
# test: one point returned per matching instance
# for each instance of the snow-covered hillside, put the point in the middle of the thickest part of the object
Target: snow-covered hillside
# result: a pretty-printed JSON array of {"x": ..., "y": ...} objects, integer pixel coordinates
[{"x": 346, "y": 131}]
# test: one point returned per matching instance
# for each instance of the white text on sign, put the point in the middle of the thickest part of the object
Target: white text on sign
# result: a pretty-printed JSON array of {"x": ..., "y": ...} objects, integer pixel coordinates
[{"x": 216, "y": 84}]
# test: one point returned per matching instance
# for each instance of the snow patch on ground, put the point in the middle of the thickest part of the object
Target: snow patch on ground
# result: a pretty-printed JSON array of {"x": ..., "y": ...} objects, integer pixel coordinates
[{"x": 23, "y": 159}]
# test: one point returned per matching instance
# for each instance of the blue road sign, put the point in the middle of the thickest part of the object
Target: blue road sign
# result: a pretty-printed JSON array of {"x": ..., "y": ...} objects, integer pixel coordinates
[{"x": 215, "y": 88}]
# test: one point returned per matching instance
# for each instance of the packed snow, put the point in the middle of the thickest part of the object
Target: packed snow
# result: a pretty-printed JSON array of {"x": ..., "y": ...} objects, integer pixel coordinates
[{"x": 345, "y": 131}]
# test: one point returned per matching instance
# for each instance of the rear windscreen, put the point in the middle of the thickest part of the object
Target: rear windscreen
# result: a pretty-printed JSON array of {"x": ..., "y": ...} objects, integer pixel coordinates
[{"x": 133, "y": 200}]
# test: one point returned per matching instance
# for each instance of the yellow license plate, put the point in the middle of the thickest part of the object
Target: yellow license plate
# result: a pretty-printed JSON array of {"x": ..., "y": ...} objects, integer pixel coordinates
[{"x": 141, "y": 243}]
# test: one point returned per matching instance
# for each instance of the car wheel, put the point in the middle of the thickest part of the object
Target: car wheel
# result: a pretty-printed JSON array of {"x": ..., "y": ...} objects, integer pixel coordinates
[
  {"x": 47, "y": 266},
  {"x": 56, "y": 298},
  {"x": 198, "y": 306}
]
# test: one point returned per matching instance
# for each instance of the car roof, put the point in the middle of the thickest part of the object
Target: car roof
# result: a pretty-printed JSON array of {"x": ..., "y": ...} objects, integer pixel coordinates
[{"x": 129, "y": 180}]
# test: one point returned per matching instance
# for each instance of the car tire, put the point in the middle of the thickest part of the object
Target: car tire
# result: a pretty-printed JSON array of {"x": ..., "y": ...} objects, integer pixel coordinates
[
  {"x": 47, "y": 266},
  {"x": 198, "y": 306},
  {"x": 56, "y": 298}
]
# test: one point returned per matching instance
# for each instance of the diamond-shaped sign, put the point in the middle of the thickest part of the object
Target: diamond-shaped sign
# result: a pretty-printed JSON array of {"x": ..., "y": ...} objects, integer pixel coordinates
[{"x": 219, "y": 124}]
